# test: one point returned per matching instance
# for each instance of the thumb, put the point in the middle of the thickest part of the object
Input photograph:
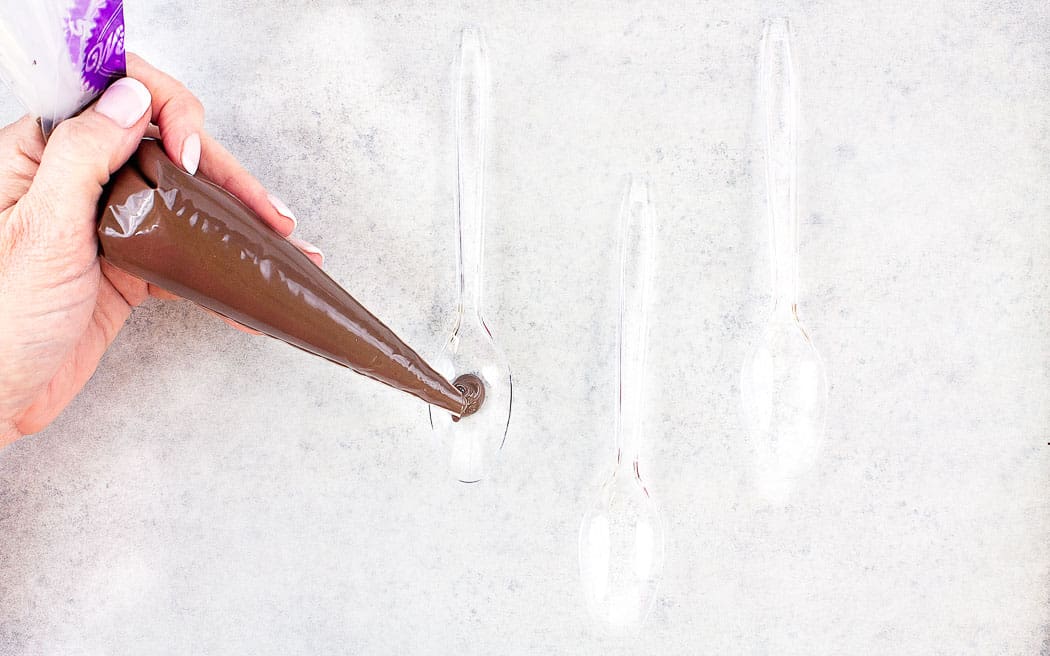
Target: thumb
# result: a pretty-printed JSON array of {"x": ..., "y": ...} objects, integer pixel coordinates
[{"x": 80, "y": 156}]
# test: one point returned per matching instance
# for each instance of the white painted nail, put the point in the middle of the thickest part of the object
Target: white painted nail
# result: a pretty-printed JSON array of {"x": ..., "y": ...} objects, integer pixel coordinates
[
  {"x": 307, "y": 247},
  {"x": 281, "y": 208},
  {"x": 191, "y": 153},
  {"x": 124, "y": 102}
]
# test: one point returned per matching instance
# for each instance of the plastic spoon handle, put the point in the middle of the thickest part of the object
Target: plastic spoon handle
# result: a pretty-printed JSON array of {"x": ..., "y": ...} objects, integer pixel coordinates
[
  {"x": 471, "y": 114},
  {"x": 781, "y": 112},
  {"x": 635, "y": 273}
]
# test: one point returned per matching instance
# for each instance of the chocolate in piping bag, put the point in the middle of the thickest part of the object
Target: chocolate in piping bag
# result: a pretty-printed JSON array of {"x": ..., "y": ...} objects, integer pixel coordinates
[{"x": 194, "y": 239}]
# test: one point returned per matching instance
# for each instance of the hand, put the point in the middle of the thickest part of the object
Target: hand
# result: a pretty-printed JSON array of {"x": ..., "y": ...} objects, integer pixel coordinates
[{"x": 60, "y": 306}]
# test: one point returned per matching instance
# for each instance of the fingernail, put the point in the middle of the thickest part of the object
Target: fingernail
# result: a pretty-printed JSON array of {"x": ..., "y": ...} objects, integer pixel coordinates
[
  {"x": 191, "y": 153},
  {"x": 307, "y": 247},
  {"x": 124, "y": 102},
  {"x": 281, "y": 208}
]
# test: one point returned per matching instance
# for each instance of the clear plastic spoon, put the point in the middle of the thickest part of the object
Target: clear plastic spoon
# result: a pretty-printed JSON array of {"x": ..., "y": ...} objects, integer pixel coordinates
[
  {"x": 470, "y": 355},
  {"x": 621, "y": 535},
  {"x": 783, "y": 384}
]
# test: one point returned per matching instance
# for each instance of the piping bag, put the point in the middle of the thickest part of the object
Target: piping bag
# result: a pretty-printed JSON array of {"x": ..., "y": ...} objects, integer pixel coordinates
[{"x": 189, "y": 236}]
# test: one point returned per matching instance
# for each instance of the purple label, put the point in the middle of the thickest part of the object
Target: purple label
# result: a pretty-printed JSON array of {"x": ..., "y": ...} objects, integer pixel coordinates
[{"x": 95, "y": 35}]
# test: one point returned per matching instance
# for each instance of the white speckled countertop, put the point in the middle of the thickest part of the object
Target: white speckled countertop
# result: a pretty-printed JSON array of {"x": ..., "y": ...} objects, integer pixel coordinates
[{"x": 216, "y": 493}]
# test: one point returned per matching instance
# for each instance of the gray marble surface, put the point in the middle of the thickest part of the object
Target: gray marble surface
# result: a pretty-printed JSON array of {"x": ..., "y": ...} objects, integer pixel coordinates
[{"x": 216, "y": 493}]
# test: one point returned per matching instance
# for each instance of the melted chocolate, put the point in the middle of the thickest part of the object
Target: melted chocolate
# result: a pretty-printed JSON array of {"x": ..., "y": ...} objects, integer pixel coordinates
[
  {"x": 194, "y": 239},
  {"x": 473, "y": 391}
]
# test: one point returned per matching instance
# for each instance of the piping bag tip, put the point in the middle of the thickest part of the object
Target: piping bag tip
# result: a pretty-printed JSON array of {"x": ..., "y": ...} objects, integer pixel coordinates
[{"x": 473, "y": 390}]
